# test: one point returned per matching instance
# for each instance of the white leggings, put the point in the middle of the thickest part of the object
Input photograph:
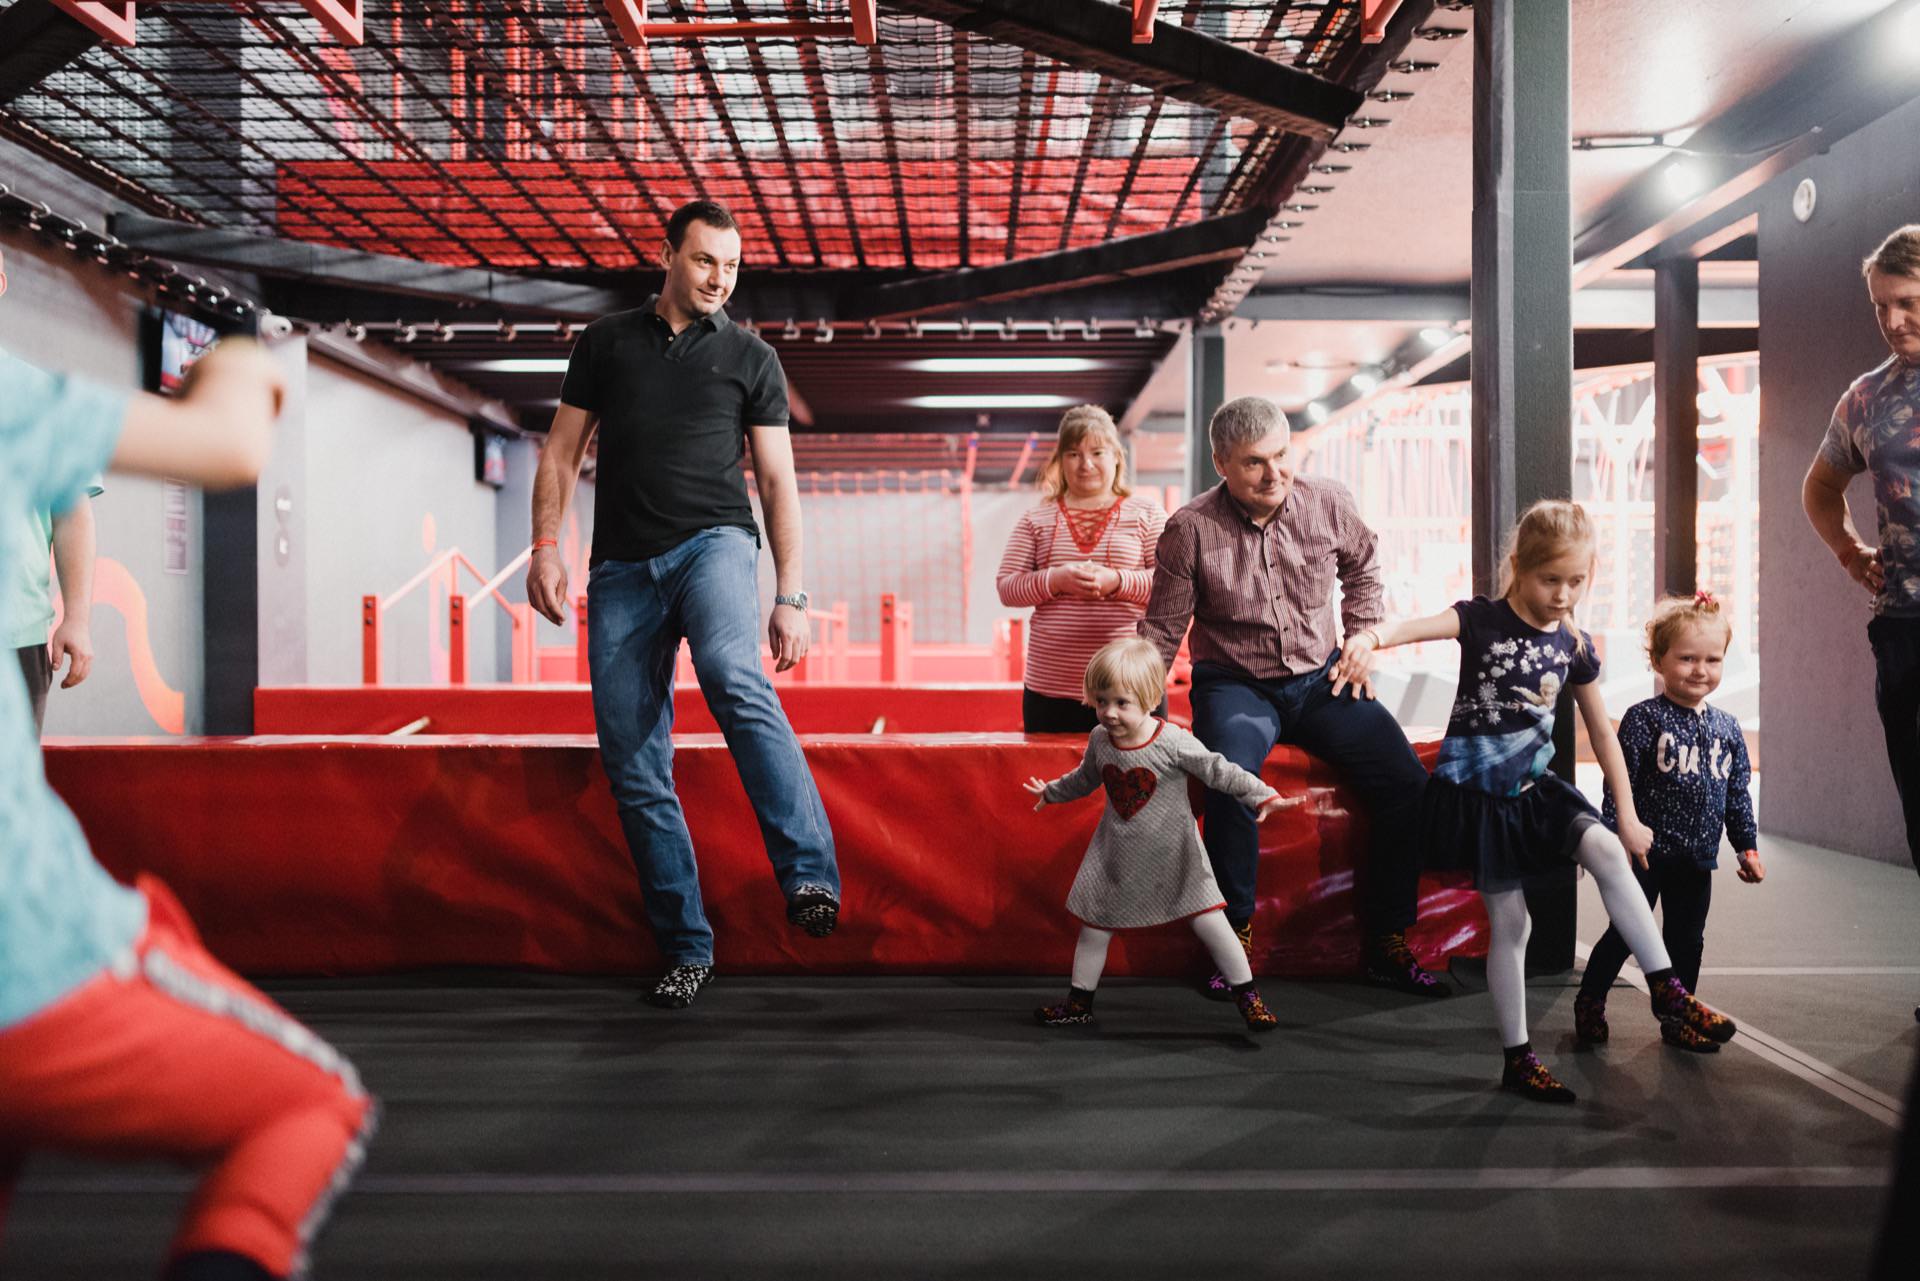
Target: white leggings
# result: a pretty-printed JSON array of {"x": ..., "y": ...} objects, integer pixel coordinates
[
  {"x": 1090, "y": 953},
  {"x": 1602, "y": 854}
]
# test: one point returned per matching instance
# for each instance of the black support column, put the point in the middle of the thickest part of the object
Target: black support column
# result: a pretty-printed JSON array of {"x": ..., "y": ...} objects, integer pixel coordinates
[
  {"x": 1206, "y": 392},
  {"x": 1676, "y": 426},
  {"x": 1523, "y": 322}
]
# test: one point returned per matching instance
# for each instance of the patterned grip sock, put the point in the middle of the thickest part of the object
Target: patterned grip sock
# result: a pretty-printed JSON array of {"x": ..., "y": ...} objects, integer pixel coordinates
[
  {"x": 1254, "y": 1010},
  {"x": 1076, "y": 1009},
  {"x": 1590, "y": 1020},
  {"x": 1527, "y": 1076},
  {"x": 1671, "y": 1000}
]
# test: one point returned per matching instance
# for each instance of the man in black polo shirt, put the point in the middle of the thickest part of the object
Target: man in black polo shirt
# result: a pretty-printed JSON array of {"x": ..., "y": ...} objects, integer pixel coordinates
[{"x": 678, "y": 392}]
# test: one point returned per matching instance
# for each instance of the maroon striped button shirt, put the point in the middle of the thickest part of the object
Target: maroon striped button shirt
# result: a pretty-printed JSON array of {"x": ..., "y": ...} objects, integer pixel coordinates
[{"x": 1261, "y": 600}]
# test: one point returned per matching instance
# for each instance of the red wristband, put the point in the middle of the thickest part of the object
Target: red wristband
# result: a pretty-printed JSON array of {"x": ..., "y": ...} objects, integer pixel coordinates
[{"x": 538, "y": 543}]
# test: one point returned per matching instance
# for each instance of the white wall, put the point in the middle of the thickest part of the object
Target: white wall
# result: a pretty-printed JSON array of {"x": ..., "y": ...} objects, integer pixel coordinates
[
  {"x": 67, "y": 313},
  {"x": 389, "y": 483}
]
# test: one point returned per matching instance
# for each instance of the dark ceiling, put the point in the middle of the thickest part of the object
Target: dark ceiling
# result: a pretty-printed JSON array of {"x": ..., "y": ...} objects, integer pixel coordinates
[{"x": 1019, "y": 166}]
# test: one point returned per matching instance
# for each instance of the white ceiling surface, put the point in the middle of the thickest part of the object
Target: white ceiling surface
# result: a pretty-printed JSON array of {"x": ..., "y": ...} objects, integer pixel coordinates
[{"x": 1404, "y": 213}]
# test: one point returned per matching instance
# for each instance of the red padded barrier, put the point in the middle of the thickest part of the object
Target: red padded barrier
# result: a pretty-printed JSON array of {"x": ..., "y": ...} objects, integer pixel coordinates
[{"x": 344, "y": 855}]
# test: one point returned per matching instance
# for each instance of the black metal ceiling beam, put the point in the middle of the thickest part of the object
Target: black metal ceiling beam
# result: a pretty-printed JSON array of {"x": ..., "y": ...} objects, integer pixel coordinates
[
  {"x": 1826, "y": 97},
  {"x": 1207, "y": 241},
  {"x": 1359, "y": 303},
  {"x": 379, "y": 273},
  {"x": 1093, "y": 35},
  {"x": 36, "y": 40}
]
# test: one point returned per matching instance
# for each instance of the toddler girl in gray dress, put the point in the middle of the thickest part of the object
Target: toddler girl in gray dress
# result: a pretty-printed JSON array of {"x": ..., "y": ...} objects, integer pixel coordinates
[{"x": 1146, "y": 865}]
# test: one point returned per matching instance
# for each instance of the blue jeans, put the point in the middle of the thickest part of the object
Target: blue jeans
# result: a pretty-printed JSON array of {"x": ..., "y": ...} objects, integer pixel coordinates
[
  {"x": 1242, "y": 718},
  {"x": 637, "y": 612}
]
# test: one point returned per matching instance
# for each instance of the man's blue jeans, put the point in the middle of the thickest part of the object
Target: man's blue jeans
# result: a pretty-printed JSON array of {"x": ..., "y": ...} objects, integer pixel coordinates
[
  {"x": 637, "y": 612},
  {"x": 1242, "y": 718}
]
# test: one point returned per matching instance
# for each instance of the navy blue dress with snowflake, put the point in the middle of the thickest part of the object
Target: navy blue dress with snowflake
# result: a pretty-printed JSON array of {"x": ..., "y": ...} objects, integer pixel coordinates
[{"x": 1493, "y": 807}]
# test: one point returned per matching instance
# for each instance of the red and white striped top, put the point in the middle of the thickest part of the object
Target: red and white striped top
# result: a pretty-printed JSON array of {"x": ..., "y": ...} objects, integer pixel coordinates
[{"x": 1067, "y": 630}]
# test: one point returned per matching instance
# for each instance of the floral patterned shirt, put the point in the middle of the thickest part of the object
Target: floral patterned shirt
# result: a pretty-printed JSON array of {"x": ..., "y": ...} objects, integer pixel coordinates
[
  {"x": 1876, "y": 428},
  {"x": 1500, "y": 736}
]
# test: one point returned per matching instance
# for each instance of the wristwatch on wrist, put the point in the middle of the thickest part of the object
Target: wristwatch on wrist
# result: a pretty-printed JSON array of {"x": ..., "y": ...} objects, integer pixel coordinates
[{"x": 798, "y": 600}]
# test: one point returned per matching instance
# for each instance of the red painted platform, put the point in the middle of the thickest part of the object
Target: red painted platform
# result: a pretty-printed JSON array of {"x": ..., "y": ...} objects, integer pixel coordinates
[
  {"x": 568, "y": 709},
  {"x": 364, "y": 855}
]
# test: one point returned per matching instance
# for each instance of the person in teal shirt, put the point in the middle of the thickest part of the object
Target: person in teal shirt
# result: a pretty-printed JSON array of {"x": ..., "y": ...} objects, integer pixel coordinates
[
  {"x": 120, "y": 1035},
  {"x": 26, "y": 598}
]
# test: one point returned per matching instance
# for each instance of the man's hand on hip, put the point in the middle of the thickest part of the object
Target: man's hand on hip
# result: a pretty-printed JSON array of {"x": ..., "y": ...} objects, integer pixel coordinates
[
  {"x": 789, "y": 635},
  {"x": 547, "y": 585},
  {"x": 1864, "y": 566}
]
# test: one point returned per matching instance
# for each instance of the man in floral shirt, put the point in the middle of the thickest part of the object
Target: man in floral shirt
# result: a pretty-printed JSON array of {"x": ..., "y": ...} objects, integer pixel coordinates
[{"x": 1876, "y": 428}]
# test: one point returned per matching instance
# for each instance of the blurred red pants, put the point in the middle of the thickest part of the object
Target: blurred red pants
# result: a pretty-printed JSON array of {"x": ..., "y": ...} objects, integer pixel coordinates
[{"x": 173, "y": 1055}]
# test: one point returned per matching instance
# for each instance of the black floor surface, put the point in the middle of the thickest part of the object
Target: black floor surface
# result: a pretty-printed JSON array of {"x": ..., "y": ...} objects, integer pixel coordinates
[{"x": 783, "y": 1128}]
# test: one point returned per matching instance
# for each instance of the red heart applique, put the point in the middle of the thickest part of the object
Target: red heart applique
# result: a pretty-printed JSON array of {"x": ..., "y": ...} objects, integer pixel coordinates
[{"x": 1129, "y": 790}]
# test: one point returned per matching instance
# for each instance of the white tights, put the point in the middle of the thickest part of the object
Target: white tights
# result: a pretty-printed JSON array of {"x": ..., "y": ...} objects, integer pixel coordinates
[
  {"x": 1090, "y": 953},
  {"x": 1605, "y": 858}
]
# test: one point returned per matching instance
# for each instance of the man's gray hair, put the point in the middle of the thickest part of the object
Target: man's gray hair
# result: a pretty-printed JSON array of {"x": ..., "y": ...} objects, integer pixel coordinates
[{"x": 1243, "y": 421}]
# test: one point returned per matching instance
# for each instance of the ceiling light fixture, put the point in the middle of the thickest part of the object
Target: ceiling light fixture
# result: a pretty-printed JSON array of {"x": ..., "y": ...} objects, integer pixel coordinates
[
  {"x": 518, "y": 365},
  {"x": 1681, "y": 179},
  {"x": 991, "y": 401},
  {"x": 1005, "y": 365}
]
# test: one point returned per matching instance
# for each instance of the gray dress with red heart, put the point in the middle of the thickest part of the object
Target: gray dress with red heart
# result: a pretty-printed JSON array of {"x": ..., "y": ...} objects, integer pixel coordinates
[{"x": 1146, "y": 865}]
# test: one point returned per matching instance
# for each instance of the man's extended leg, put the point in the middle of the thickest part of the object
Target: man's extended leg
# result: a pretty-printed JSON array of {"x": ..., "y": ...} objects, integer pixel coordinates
[
  {"x": 715, "y": 596},
  {"x": 631, "y": 645}
]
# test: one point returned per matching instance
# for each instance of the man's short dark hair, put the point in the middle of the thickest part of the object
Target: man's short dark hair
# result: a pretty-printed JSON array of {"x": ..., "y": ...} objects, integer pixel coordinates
[
  {"x": 711, "y": 212},
  {"x": 1898, "y": 254}
]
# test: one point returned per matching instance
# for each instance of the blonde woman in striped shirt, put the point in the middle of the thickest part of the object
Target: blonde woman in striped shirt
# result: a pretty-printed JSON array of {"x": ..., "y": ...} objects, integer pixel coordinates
[{"x": 1083, "y": 560}]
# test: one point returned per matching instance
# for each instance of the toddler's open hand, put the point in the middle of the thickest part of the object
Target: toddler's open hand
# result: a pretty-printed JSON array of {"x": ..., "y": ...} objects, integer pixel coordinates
[
  {"x": 1270, "y": 807},
  {"x": 1750, "y": 869},
  {"x": 1038, "y": 787}
]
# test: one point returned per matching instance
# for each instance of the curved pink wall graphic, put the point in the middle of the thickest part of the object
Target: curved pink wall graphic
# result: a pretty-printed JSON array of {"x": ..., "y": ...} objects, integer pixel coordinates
[{"x": 115, "y": 586}]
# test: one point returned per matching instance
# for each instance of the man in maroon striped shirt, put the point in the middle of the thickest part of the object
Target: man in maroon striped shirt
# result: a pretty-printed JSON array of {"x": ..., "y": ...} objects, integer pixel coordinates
[{"x": 1251, "y": 564}]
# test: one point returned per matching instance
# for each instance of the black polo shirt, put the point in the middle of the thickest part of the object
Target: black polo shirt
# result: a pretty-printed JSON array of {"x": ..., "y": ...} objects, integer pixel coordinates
[{"x": 674, "y": 412}]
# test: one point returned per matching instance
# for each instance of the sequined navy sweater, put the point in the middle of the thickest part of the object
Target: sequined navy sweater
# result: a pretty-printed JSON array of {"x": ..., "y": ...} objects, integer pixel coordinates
[{"x": 1689, "y": 773}]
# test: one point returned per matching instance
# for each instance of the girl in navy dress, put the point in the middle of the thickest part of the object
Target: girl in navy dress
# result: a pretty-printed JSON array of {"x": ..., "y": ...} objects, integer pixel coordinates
[{"x": 1492, "y": 807}]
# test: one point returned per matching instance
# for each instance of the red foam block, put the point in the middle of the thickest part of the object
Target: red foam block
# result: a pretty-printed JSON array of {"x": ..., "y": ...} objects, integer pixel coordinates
[{"x": 366, "y": 855}]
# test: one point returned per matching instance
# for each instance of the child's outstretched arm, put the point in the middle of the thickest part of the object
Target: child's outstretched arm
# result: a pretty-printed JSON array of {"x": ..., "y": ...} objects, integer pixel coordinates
[
  {"x": 1355, "y": 667},
  {"x": 218, "y": 433},
  {"x": 1741, "y": 829},
  {"x": 1635, "y": 835},
  {"x": 1082, "y": 781}
]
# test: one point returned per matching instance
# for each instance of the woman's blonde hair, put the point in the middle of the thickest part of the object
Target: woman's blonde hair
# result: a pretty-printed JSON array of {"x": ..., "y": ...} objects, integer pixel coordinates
[
  {"x": 1675, "y": 614},
  {"x": 1132, "y": 666},
  {"x": 1546, "y": 531},
  {"x": 1076, "y": 425}
]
